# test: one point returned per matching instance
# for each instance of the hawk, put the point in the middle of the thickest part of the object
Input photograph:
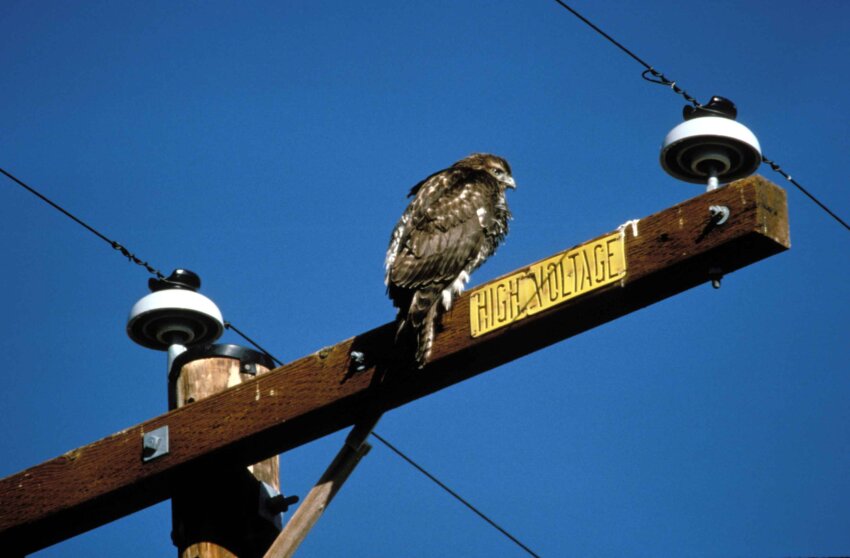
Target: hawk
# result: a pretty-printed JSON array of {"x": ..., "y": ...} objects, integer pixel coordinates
[{"x": 457, "y": 218}]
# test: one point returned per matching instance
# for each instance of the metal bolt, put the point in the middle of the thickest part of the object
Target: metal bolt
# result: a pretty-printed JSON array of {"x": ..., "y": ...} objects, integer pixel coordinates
[
  {"x": 715, "y": 274},
  {"x": 719, "y": 214},
  {"x": 358, "y": 361},
  {"x": 151, "y": 444},
  {"x": 280, "y": 503}
]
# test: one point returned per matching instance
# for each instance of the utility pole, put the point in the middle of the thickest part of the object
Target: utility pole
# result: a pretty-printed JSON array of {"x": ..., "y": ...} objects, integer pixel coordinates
[
  {"x": 619, "y": 272},
  {"x": 222, "y": 511}
]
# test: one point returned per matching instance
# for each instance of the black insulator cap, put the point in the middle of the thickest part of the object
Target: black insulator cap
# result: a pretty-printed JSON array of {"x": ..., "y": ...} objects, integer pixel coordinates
[
  {"x": 717, "y": 106},
  {"x": 179, "y": 279}
]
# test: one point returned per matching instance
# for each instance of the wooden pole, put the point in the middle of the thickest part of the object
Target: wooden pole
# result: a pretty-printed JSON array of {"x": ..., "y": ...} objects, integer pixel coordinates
[
  {"x": 217, "y": 509},
  {"x": 666, "y": 253}
]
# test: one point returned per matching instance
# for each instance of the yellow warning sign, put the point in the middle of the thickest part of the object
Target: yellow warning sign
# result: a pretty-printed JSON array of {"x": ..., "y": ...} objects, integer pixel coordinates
[{"x": 547, "y": 283}]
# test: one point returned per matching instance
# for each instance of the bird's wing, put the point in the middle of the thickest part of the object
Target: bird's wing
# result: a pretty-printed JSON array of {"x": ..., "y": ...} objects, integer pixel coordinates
[{"x": 442, "y": 230}]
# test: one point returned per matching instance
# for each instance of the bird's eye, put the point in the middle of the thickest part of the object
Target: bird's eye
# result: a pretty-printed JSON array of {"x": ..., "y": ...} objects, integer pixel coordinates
[{"x": 498, "y": 172}]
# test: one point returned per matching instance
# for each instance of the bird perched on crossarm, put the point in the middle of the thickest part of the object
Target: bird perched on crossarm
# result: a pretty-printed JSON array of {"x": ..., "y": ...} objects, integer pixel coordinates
[{"x": 457, "y": 218}]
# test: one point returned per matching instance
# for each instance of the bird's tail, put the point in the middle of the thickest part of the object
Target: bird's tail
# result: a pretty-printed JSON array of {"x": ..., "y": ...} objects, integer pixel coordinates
[{"x": 418, "y": 327}]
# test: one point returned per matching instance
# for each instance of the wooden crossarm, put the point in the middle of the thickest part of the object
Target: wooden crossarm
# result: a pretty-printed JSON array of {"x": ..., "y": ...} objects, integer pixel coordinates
[{"x": 531, "y": 308}]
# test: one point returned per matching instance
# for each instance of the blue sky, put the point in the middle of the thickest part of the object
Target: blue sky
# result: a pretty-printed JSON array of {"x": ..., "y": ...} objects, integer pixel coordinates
[{"x": 269, "y": 146}]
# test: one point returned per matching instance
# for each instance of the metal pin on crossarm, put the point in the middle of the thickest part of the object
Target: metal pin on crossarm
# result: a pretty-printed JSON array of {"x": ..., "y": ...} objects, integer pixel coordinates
[{"x": 710, "y": 147}]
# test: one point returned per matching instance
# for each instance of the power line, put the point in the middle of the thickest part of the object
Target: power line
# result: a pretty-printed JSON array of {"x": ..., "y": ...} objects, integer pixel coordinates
[
  {"x": 661, "y": 79},
  {"x": 130, "y": 256},
  {"x": 787, "y": 177},
  {"x": 454, "y": 494},
  {"x": 232, "y": 327}
]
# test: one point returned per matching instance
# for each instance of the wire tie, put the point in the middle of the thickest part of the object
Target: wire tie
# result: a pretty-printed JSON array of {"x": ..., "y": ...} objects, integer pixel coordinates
[
  {"x": 661, "y": 79},
  {"x": 124, "y": 252}
]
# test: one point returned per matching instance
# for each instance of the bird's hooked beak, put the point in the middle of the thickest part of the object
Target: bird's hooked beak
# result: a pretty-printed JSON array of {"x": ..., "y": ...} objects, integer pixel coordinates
[{"x": 509, "y": 182}]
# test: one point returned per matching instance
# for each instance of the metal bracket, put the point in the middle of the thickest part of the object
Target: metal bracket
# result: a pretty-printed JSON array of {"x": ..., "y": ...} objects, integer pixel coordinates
[
  {"x": 248, "y": 359},
  {"x": 155, "y": 444},
  {"x": 272, "y": 503}
]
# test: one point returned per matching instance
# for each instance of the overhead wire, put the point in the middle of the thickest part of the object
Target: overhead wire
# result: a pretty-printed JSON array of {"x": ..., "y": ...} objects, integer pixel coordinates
[
  {"x": 799, "y": 186},
  {"x": 661, "y": 79},
  {"x": 454, "y": 494},
  {"x": 230, "y": 326},
  {"x": 117, "y": 246}
]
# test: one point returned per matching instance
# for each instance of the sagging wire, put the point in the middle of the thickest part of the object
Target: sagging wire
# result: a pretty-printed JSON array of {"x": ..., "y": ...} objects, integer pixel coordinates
[
  {"x": 115, "y": 245},
  {"x": 454, "y": 494}
]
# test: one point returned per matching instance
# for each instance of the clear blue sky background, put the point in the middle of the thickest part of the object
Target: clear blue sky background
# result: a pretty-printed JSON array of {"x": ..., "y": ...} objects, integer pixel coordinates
[{"x": 269, "y": 146}]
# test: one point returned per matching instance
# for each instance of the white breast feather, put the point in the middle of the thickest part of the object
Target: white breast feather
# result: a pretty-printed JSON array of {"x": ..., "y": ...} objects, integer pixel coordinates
[{"x": 481, "y": 212}]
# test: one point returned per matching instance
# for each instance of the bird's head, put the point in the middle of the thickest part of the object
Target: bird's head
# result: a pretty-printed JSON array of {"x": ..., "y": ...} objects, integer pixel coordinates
[{"x": 494, "y": 165}]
